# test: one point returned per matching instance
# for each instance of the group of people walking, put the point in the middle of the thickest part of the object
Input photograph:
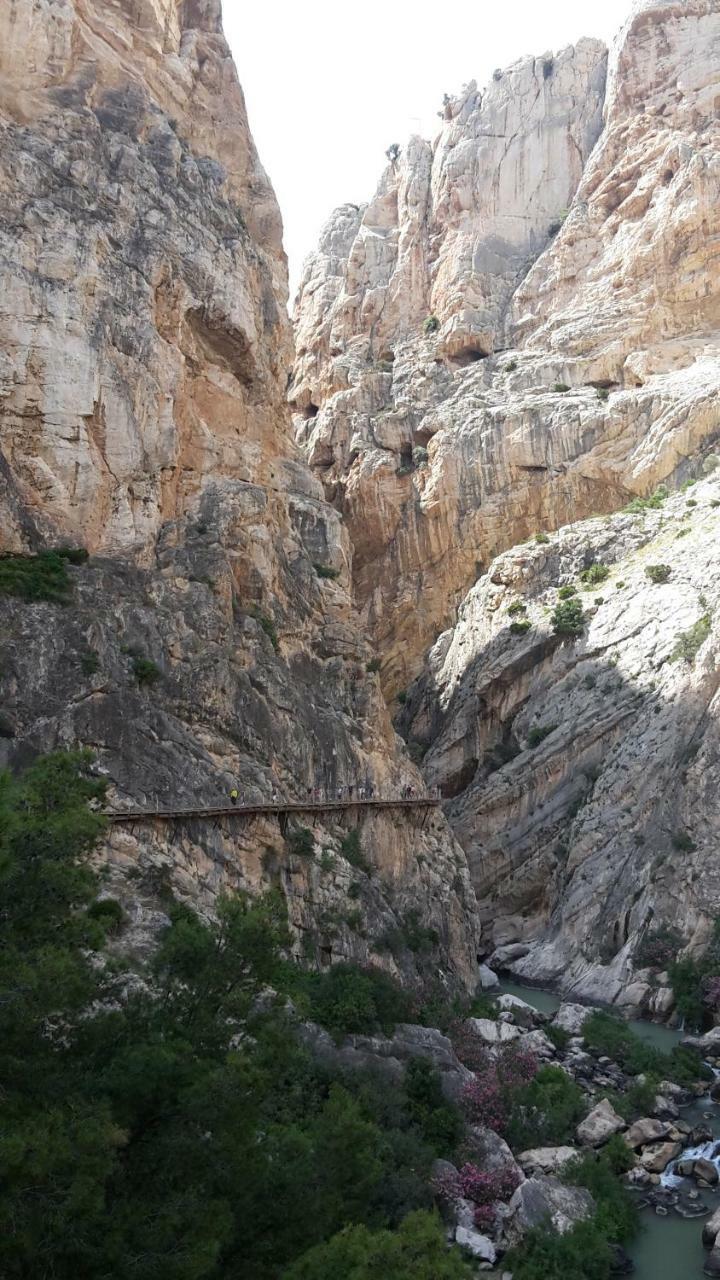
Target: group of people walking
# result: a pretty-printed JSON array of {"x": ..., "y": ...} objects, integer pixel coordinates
[{"x": 348, "y": 793}]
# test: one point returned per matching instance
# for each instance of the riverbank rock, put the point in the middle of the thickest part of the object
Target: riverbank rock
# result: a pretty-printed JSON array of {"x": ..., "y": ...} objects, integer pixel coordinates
[
  {"x": 487, "y": 979},
  {"x": 600, "y": 1125},
  {"x": 657, "y": 1157},
  {"x": 711, "y": 1230},
  {"x": 544, "y": 1200},
  {"x": 643, "y": 1132},
  {"x": 546, "y": 1159},
  {"x": 701, "y": 1170},
  {"x": 493, "y": 1033},
  {"x": 712, "y": 1263},
  {"x": 571, "y": 1018}
]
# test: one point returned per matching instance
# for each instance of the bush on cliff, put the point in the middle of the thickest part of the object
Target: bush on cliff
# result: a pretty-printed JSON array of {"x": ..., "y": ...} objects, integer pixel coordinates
[{"x": 173, "y": 1126}]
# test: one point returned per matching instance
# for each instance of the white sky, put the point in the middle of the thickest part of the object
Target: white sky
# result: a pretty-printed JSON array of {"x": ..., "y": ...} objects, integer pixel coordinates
[{"x": 329, "y": 85}]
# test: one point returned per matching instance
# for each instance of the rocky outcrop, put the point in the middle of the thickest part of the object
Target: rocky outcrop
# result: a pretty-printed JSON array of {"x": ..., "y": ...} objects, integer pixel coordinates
[
  {"x": 567, "y": 363},
  {"x": 545, "y": 1201},
  {"x": 599, "y": 1125},
  {"x": 210, "y": 640},
  {"x": 579, "y": 770}
]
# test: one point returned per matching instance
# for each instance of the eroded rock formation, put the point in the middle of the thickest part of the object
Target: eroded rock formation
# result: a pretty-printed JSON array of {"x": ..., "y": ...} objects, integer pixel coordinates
[
  {"x": 144, "y": 353},
  {"x": 533, "y": 300}
]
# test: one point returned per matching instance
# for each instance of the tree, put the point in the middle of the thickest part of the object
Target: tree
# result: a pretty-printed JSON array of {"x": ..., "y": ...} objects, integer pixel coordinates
[{"x": 417, "y": 1251}]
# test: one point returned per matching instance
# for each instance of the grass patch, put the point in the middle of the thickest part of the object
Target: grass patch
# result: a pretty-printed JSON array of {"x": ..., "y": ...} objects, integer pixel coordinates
[
  {"x": 521, "y": 627},
  {"x": 40, "y": 577},
  {"x": 268, "y": 627},
  {"x": 326, "y": 571}
]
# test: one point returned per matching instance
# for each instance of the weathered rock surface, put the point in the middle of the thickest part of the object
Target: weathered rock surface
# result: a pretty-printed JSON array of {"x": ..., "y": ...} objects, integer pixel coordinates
[
  {"x": 535, "y": 396},
  {"x": 643, "y": 1132},
  {"x": 600, "y": 1125},
  {"x": 543, "y": 1201},
  {"x": 143, "y": 363},
  {"x": 546, "y": 1159},
  {"x": 579, "y": 771},
  {"x": 503, "y": 392},
  {"x": 658, "y": 1155},
  {"x": 391, "y": 1054}
]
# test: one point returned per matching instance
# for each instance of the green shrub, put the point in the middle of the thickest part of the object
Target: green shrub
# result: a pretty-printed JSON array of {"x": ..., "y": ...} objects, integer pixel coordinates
[
  {"x": 710, "y": 463},
  {"x": 373, "y": 665},
  {"x": 541, "y": 538},
  {"x": 326, "y": 571},
  {"x": 682, "y": 842},
  {"x": 520, "y": 628},
  {"x": 108, "y": 913},
  {"x": 415, "y": 935},
  {"x": 268, "y": 626},
  {"x": 517, "y": 607},
  {"x": 539, "y": 733},
  {"x": 402, "y": 697},
  {"x": 34, "y": 578},
  {"x": 559, "y": 1036},
  {"x": 300, "y": 841},
  {"x": 418, "y": 1250},
  {"x": 690, "y": 642},
  {"x": 595, "y": 574},
  {"x": 351, "y": 850},
  {"x": 511, "y": 366},
  {"x": 656, "y": 499},
  {"x": 89, "y": 662},
  {"x": 567, "y": 592},
  {"x": 546, "y": 1111},
  {"x": 568, "y": 618},
  {"x": 603, "y": 393},
  {"x": 616, "y": 1213},
  {"x": 658, "y": 572},
  {"x": 582, "y": 1253},
  {"x": 146, "y": 671},
  {"x": 599, "y": 600},
  {"x": 431, "y": 324},
  {"x": 561, "y": 387},
  {"x": 419, "y": 455},
  {"x": 346, "y": 1000}
]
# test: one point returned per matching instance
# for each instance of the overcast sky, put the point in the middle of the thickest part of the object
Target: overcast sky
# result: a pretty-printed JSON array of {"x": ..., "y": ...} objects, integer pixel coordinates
[{"x": 329, "y": 85}]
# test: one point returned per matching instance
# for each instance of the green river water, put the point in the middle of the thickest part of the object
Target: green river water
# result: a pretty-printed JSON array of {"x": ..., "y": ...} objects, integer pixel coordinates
[{"x": 667, "y": 1248}]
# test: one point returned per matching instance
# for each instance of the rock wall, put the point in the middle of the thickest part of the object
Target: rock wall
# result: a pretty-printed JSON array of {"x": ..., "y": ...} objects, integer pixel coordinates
[
  {"x": 144, "y": 354},
  {"x": 521, "y": 328},
  {"x": 582, "y": 773}
]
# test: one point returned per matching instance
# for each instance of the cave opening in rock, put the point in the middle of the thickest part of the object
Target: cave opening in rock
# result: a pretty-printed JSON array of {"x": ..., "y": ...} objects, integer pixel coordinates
[
  {"x": 470, "y": 354},
  {"x": 311, "y": 410}
]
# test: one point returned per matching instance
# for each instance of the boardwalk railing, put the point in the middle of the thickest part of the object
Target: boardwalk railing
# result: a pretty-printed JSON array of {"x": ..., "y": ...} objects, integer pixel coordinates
[{"x": 283, "y": 809}]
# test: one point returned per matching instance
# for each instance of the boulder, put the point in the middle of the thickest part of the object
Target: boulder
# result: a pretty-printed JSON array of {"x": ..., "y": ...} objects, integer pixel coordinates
[
  {"x": 571, "y": 1017},
  {"x": 707, "y": 1171},
  {"x": 712, "y": 1263},
  {"x": 521, "y": 1013},
  {"x": 664, "y": 1106},
  {"x": 620, "y": 1263},
  {"x": 493, "y": 1033},
  {"x": 478, "y": 1245},
  {"x": 643, "y": 1132},
  {"x": 539, "y": 1043},
  {"x": 546, "y": 1159},
  {"x": 657, "y": 1157},
  {"x": 487, "y": 979},
  {"x": 711, "y": 1230},
  {"x": 601, "y": 1123},
  {"x": 487, "y": 1149},
  {"x": 390, "y": 1054},
  {"x": 544, "y": 1201}
]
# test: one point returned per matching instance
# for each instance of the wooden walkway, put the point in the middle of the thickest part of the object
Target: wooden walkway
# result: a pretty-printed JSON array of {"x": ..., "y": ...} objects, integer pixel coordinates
[{"x": 283, "y": 810}]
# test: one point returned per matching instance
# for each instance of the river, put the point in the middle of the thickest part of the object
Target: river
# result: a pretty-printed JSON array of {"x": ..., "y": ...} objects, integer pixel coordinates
[{"x": 667, "y": 1248}]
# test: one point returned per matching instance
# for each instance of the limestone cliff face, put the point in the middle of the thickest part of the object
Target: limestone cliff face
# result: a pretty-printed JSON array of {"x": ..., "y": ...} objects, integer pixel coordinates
[
  {"x": 582, "y": 773},
  {"x": 537, "y": 312},
  {"x": 144, "y": 354}
]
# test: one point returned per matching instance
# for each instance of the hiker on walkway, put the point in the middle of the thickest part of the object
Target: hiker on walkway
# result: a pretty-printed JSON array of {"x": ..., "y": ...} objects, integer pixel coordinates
[{"x": 234, "y": 796}]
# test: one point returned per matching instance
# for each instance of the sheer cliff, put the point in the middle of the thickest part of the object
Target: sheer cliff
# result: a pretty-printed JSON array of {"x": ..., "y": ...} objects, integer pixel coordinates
[
  {"x": 521, "y": 330},
  {"x": 210, "y": 639}
]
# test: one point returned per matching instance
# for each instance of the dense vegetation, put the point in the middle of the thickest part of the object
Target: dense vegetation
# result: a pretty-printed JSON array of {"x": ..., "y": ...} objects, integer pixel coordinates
[
  {"x": 178, "y": 1130},
  {"x": 696, "y": 984},
  {"x": 40, "y": 577}
]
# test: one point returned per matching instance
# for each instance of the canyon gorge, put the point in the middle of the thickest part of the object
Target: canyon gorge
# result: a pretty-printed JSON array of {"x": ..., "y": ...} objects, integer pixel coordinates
[{"x": 446, "y": 534}]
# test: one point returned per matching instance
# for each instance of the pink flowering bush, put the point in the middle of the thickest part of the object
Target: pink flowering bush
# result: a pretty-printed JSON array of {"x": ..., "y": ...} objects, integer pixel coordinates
[
  {"x": 487, "y": 1098},
  {"x": 483, "y": 1188}
]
